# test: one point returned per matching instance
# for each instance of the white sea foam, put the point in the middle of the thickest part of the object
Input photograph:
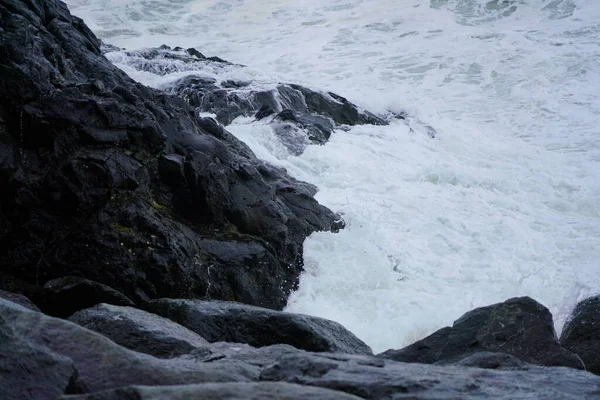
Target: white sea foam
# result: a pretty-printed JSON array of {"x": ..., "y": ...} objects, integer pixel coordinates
[{"x": 504, "y": 202}]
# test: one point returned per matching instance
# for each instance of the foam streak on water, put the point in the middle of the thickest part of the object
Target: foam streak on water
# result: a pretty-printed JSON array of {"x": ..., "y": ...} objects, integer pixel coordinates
[{"x": 504, "y": 202}]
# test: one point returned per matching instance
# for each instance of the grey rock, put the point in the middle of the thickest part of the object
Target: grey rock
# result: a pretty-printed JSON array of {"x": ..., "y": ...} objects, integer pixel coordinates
[
  {"x": 240, "y": 323},
  {"x": 62, "y": 297},
  {"x": 223, "y": 391},
  {"x": 376, "y": 378},
  {"x": 489, "y": 360},
  {"x": 102, "y": 364},
  {"x": 520, "y": 327},
  {"x": 139, "y": 330},
  {"x": 581, "y": 333},
  {"x": 28, "y": 371},
  {"x": 18, "y": 299}
]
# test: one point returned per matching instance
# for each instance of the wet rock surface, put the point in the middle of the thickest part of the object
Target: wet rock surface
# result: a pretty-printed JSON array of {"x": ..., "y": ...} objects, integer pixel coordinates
[
  {"x": 139, "y": 330},
  {"x": 581, "y": 333},
  {"x": 298, "y": 115},
  {"x": 240, "y": 323},
  {"x": 108, "y": 180},
  {"x": 521, "y": 327},
  {"x": 70, "y": 359}
]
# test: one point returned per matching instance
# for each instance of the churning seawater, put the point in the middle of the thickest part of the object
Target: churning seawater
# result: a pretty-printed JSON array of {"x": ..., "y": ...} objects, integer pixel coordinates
[{"x": 504, "y": 202}]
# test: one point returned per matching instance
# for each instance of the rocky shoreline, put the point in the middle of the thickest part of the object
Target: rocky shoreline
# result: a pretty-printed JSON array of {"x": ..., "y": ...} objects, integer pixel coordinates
[{"x": 145, "y": 251}]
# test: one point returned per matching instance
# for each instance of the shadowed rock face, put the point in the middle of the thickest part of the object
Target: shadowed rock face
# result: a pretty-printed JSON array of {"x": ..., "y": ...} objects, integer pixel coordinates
[
  {"x": 108, "y": 180},
  {"x": 521, "y": 327},
  {"x": 581, "y": 334},
  {"x": 233, "y": 322}
]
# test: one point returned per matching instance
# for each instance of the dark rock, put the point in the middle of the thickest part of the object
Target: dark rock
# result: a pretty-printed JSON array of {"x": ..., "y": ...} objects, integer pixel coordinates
[
  {"x": 109, "y": 180},
  {"x": 222, "y": 391},
  {"x": 18, "y": 299},
  {"x": 376, "y": 378},
  {"x": 581, "y": 333},
  {"x": 520, "y": 327},
  {"x": 234, "y": 322},
  {"x": 100, "y": 363},
  {"x": 489, "y": 360},
  {"x": 139, "y": 330},
  {"x": 64, "y": 296}
]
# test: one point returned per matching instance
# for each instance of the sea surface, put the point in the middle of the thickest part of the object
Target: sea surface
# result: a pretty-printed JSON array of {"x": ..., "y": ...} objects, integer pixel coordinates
[{"x": 503, "y": 202}]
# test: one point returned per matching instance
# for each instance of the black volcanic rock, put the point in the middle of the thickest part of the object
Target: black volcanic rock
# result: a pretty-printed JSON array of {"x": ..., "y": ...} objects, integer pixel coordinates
[
  {"x": 62, "y": 297},
  {"x": 111, "y": 181},
  {"x": 219, "y": 321},
  {"x": 297, "y": 114},
  {"x": 581, "y": 333},
  {"x": 139, "y": 330},
  {"x": 521, "y": 327}
]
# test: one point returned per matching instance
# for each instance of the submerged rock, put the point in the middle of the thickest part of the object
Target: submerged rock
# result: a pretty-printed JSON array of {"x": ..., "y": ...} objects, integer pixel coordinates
[
  {"x": 111, "y": 181},
  {"x": 139, "y": 330},
  {"x": 520, "y": 327},
  {"x": 298, "y": 115},
  {"x": 219, "y": 321},
  {"x": 581, "y": 333}
]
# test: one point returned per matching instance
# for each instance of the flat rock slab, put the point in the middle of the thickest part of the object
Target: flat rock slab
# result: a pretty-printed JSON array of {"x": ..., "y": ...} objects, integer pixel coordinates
[
  {"x": 521, "y": 327},
  {"x": 234, "y": 322},
  {"x": 139, "y": 330},
  {"x": 581, "y": 333},
  {"x": 223, "y": 391},
  {"x": 376, "y": 378}
]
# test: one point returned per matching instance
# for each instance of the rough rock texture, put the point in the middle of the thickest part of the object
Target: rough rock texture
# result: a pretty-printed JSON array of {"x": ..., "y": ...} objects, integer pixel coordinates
[
  {"x": 139, "y": 330},
  {"x": 42, "y": 357},
  {"x": 19, "y": 299},
  {"x": 488, "y": 360},
  {"x": 100, "y": 363},
  {"x": 581, "y": 333},
  {"x": 30, "y": 371},
  {"x": 521, "y": 327},
  {"x": 118, "y": 183},
  {"x": 222, "y": 391},
  {"x": 298, "y": 115},
  {"x": 62, "y": 297},
  {"x": 376, "y": 378},
  {"x": 240, "y": 323}
]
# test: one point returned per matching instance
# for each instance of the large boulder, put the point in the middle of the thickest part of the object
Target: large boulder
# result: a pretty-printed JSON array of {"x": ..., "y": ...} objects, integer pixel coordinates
[
  {"x": 581, "y": 333},
  {"x": 59, "y": 346},
  {"x": 62, "y": 297},
  {"x": 139, "y": 330},
  {"x": 234, "y": 322},
  {"x": 221, "y": 391},
  {"x": 19, "y": 299},
  {"x": 377, "y": 378},
  {"x": 521, "y": 327},
  {"x": 109, "y": 180}
]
